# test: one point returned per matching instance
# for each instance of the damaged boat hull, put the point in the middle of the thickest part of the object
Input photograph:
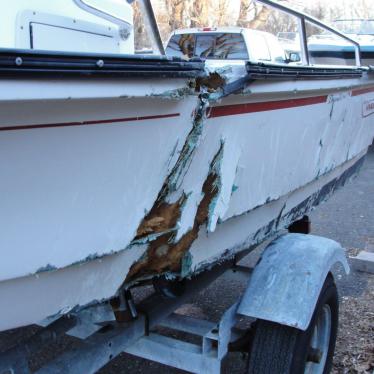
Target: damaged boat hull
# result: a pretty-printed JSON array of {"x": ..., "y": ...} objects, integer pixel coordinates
[
  {"x": 59, "y": 291},
  {"x": 253, "y": 149},
  {"x": 111, "y": 186}
]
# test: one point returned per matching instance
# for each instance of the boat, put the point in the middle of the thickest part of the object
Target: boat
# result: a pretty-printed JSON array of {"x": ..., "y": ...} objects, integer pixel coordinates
[
  {"x": 117, "y": 168},
  {"x": 73, "y": 130},
  {"x": 325, "y": 48},
  {"x": 362, "y": 30}
]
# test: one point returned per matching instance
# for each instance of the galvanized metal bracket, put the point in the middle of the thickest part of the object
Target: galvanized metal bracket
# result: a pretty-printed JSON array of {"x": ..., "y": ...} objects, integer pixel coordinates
[{"x": 287, "y": 281}]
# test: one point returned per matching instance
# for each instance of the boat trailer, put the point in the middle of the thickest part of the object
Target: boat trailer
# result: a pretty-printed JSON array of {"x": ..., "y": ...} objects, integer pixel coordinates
[{"x": 283, "y": 288}]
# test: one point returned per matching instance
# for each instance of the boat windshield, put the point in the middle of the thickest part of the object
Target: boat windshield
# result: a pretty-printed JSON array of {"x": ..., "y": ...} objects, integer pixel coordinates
[{"x": 356, "y": 26}]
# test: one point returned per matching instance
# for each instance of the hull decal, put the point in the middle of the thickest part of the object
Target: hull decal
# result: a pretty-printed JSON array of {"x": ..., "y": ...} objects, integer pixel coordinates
[
  {"x": 86, "y": 123},
  {"x": 368, "y": 108},
  {"x": 230, "y": 110}
]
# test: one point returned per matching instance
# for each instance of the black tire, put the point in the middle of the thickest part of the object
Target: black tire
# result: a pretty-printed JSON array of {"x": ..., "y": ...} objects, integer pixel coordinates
[{"x": 279, "y": 349}]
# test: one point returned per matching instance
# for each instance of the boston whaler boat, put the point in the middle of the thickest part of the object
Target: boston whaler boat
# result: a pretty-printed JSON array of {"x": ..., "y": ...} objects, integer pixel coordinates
[{"x": 118, "y": 168}]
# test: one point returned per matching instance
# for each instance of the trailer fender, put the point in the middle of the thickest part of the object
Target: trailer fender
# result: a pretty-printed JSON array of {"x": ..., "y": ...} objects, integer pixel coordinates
[{"x": 287, "y": 281}]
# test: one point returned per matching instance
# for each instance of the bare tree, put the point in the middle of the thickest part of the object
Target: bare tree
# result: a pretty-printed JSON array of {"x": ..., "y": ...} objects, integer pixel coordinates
[
  {"x": 362, "y": 9},
  {"x": 179, "y": 13},
  {"x": 140, "y": 32},
  {"x": 246, "y": 8},
  {"x": 252, "y": 15},
  {"x": 222, "y": 13},
  {"x": 260, "y": 19},
  {"x": 174, "y": 14},
  {"x": 201, "y": 13}
]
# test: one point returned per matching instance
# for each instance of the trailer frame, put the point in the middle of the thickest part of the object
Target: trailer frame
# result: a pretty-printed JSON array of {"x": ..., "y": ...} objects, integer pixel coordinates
[{"x": 103, "y": 337}]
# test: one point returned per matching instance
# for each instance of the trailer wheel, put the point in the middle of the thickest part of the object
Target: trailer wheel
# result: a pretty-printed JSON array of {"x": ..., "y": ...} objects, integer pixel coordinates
[{"x": 285, "y": 350}]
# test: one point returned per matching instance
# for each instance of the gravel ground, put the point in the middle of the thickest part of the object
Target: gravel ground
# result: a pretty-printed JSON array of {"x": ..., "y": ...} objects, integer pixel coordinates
[{"x": 347, "y": 217}]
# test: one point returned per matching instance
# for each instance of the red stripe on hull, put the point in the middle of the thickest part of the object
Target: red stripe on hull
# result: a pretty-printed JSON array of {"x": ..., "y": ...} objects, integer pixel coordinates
[
  {"x": 87, "y": 123},
  {"x": 362, "y": 91},
  {"x": 231, "y": 110}
]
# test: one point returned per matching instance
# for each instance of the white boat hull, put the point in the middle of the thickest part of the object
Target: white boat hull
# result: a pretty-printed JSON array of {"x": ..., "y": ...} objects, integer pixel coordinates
[
  {"x": 82, "y": 173},
  {"x": 101, "y": 189},
  {"x": 31, "y": 298}
]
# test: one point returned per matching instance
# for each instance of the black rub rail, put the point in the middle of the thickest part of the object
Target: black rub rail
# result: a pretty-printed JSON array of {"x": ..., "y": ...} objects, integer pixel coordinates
[
  {"x": 41, "y": 63},
  {"x": 266, "y": 71}
]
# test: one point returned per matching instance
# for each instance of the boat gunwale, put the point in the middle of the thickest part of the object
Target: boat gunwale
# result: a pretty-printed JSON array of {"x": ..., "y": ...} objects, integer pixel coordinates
[
  {"x": 20, "y": 62},
  {"x": 14, "y": 62},
  {"x": 265, "y": 71}
]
